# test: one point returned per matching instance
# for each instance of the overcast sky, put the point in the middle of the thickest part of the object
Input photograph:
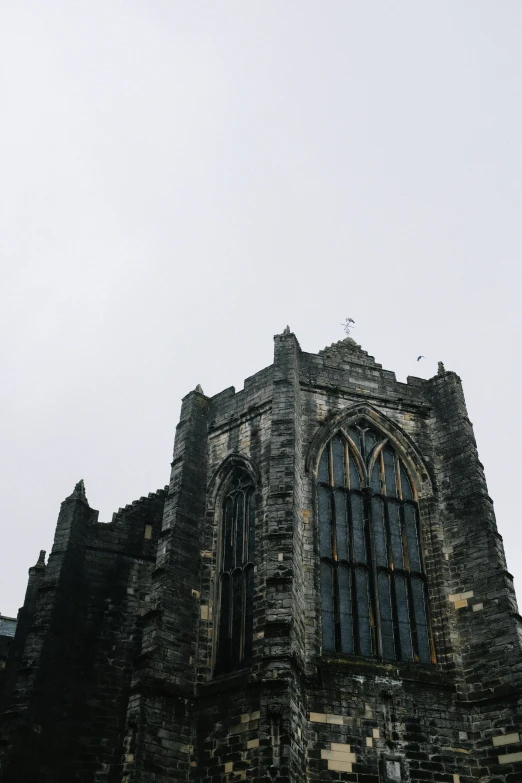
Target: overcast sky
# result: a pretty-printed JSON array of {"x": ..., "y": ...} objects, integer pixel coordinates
[{"x": 181, "y": 180}]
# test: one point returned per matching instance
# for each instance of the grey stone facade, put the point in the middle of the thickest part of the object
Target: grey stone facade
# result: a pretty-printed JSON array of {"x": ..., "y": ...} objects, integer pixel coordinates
[{"x": 110, "y": 675}]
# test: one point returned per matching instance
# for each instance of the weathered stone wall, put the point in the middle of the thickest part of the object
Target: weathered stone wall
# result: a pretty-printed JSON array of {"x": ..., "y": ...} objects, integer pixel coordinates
[
  {"x": 121, "y": 624},
  {"x": 65, "y": 700},
  {"x": 337, "y": 715}
]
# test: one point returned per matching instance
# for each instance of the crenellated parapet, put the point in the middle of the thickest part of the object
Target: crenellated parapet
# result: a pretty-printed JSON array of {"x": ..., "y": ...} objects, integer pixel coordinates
[{"x": 142, "y": 503}]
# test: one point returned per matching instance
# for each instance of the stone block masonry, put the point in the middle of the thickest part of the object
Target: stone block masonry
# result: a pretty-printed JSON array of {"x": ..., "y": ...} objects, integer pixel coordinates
[{"x": 111, "y": 676}]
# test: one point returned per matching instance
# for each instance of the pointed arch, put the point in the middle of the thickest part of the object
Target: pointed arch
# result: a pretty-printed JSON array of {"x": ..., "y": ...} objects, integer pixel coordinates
[
  {"x": 218, "y": 482},
  {"x": 373, "y": 581},
  {"x": 232, "y": 495},
  {"x": 400, "y": 440}
]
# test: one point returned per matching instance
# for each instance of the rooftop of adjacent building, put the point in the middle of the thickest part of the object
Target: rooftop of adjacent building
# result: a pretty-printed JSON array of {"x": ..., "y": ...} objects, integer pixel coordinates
[{"x": 7, "y": 626}]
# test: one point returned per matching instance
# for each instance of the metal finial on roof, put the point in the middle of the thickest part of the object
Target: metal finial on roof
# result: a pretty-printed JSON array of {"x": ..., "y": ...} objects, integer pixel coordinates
[{"x": 347, "y": 326}]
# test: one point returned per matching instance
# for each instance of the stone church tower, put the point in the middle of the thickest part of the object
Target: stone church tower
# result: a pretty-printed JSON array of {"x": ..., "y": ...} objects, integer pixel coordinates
[{"x": 319, "y": 594}]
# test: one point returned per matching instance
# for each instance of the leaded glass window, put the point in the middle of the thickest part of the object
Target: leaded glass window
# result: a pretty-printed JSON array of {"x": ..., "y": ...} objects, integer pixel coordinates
[
  {"x": 373, "y": 584},
  {"x": 236, "y": 575}
]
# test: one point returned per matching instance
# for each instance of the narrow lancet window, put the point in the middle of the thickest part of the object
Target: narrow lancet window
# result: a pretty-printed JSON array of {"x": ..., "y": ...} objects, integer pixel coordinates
[
  {"x": 236, "y": 575},
  {"x": 373, "y": 584}
]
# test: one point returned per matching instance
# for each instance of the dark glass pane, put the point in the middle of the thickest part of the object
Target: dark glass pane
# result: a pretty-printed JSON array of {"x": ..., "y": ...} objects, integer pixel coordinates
[
  {"x": 359, "y": 544},
  {"x": 341, "y": 525},
  {"x": 251, "y": 527},
  {"x": 419, "y": 604},
  {"x": 376, "y": 476},
  {"x": 379, "y": 532},
  {"x": 249, "y": 613},
  {"x": 395, "y": 534},
  {"x": 370, "y": 440},
  {"x": 355, "y": 436},
  {"x": 385, "y": 613},
  {"x": 363, "y": 612},
  {"x": 237, "y": 616},
  {"x": 228, "y": 549},
  {"x": 239, "y": 512},
  {"x": 407, "y": 490},
  {"x": 327, "y": 607},
  {"x": 403, "y": 614},
  {"x": 345, "y": 609},
  {"x": 355, "y": 479},
  {"x": 389, "y": 473},
  {"x": 411, "y": 537},
  {"x": 325, "y": 529},
  {"x": 323, "y": 474},
  {"x": 223, "y": 656},
  {"x": 338, "y": 463}
]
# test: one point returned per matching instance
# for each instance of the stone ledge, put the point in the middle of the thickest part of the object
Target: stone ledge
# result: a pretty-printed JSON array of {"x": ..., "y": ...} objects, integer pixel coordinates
[
  {"x": 415, "y": 673},
  {"x": 226, "y": 682},
  {"x": 121, "y": 553},
  {"x": 155, "y": 686},
  {"x": 505, "y": 693}
]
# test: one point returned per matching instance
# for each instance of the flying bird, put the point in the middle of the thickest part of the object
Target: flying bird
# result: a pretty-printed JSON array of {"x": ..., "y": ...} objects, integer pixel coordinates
[{"x": 420, "y": 357}]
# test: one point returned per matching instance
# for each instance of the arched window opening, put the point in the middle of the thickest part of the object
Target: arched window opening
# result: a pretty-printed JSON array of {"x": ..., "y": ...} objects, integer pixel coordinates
[
  {"x": 373, "y": 584},
  {"x": 236, "y": 575}
]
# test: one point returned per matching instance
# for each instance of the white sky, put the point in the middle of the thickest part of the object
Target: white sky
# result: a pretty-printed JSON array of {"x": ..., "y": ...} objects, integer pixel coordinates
[{"x": 180, "y": 180}]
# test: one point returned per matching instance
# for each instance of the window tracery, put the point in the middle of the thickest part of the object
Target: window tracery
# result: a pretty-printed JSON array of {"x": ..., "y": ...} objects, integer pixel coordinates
[
  {"x": 373, "y": 584},
  {"x": 236, "y": 575}
]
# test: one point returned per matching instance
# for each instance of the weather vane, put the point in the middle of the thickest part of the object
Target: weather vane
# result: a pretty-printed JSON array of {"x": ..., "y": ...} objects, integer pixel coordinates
[{"x": 347, "y": 326}]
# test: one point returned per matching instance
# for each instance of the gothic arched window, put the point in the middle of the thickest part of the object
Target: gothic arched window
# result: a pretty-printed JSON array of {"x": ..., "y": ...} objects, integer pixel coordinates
[
  {"x": 373, "y": 585},
  {"x": 236, "y": 575}
]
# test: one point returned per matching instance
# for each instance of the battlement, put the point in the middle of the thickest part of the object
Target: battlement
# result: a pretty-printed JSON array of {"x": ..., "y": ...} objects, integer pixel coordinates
[{"x": 142, "y": 502}]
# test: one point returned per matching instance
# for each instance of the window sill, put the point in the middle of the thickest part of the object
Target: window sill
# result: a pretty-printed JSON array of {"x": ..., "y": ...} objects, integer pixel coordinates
[
  {"x": 225, "y": 682},
  {"x": 428, "y": 674}
]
